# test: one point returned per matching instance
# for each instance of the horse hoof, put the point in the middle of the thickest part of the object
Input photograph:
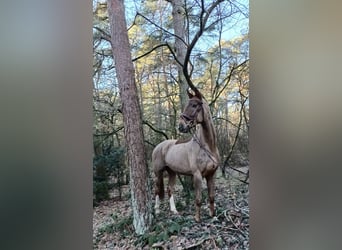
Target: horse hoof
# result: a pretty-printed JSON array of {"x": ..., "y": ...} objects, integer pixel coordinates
[{"x": 175, "y": 212}]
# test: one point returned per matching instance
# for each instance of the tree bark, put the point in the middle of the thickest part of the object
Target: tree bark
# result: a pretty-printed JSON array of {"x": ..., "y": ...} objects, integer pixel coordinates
[{"x": 140, "y": 194}]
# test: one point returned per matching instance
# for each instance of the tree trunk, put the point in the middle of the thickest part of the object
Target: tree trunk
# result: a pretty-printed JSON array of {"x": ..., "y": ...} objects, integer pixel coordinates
[
  {"x": 178, "y": 18},
  {"x": 140, "y": 194}
]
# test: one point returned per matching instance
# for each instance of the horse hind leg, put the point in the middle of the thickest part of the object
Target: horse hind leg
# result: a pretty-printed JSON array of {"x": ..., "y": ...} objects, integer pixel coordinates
[
  {"x": 171, "y": 185},
  {"x": 159, "y": 190}
]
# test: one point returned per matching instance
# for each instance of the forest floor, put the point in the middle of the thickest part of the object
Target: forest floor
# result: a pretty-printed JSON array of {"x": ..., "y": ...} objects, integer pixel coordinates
[{"x": 229, "y": 229}]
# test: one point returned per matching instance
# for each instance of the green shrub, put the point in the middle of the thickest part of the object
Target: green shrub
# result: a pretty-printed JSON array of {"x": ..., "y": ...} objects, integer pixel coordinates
[{"x": 104, "y": 166}]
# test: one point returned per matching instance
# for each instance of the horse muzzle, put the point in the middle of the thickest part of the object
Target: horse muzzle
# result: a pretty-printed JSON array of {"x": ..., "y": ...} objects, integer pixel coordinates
[
  {"x": 185, "y": 123},
  {"x": 186, "y": 126},
  {"x": 183, "y": 128}
]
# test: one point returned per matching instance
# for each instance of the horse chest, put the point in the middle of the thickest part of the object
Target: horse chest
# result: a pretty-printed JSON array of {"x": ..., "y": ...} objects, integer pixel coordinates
[{"x": 203, "y": 161}]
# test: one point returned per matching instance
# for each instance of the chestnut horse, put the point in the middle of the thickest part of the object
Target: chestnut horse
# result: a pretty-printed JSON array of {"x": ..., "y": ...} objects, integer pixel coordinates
[{"x": 197, "y": 157}]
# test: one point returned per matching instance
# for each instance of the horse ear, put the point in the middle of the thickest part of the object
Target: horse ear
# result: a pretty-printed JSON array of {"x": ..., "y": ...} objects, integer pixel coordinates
[
  {"x": 198, "y": 94},
  {"x": 189, "y": 94}
]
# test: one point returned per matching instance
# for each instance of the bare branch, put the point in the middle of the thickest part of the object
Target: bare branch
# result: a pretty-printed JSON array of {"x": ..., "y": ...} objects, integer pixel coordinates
[
  {"x": 107, "y": 135},
  {"x": 243, "y": 101},
  {"x": 158, "y": 26},
  {"x": 231, "y": 123},
  {"x": 104, "y": 34},
  {"x": 131, "y": 26},
  {"x": 204, "y": 16},
  {"x": 227, "y": 80},
  {"x": 155, "y": 130},
  {"x": 158, "y": 46}
]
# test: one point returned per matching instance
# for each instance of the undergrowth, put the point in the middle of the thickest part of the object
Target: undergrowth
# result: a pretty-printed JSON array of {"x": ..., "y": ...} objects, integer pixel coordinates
[
  {"x": 162, "y": 231},
  {"x": 123, "y": 225},
  {"x": 230, "y": 227}
]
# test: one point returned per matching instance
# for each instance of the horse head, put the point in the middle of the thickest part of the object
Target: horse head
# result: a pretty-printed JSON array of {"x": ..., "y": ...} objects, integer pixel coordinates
[{"x": 192, "y": 112}]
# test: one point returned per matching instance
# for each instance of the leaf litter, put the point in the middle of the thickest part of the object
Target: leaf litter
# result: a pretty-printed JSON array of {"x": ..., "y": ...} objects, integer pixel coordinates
[{"x": 229, "y": 229}]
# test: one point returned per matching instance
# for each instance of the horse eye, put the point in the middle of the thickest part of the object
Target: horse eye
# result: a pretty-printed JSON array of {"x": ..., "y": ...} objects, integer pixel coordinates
[{"x": 194, "y": 105}]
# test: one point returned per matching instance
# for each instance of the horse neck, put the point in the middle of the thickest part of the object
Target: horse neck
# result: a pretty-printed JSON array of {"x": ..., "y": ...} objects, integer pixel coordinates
[{"x": 206, "y": 133}]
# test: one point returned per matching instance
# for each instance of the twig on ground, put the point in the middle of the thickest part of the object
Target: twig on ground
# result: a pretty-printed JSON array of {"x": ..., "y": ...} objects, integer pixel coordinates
[
  {"x": 159, "y": 245},
  {"x": 213, "y": 240},
  {"x": 197, "y": 243},
  {"x": 244, "y": 211},
  {"x": 236, "y": 226}
]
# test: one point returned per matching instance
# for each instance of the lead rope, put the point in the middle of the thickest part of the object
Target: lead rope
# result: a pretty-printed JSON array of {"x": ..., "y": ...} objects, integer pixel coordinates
[{"x": 196, "y": 139}]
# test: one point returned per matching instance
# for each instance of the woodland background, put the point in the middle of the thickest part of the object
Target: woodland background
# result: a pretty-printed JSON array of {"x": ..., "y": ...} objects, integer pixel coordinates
[{"x": 220, "y": 70}]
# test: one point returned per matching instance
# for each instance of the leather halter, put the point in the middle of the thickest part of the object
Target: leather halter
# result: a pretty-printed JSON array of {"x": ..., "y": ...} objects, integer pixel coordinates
[{"x": 190, "y": 119}]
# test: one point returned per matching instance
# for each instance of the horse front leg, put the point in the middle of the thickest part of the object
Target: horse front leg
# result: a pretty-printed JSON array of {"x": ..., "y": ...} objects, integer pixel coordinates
[
  {"x": 198, "y": 193},
  {"x": 171, "y": 185},
  {"x": 211, "y": 194}
]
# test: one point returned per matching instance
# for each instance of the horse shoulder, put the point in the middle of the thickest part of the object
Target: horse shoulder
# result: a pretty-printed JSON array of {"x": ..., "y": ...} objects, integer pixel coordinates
[{"x": 163, "y": 147}]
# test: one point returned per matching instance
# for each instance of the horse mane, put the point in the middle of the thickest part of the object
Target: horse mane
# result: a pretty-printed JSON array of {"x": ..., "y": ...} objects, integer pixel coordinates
[{"x": 210, "y": 130}]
